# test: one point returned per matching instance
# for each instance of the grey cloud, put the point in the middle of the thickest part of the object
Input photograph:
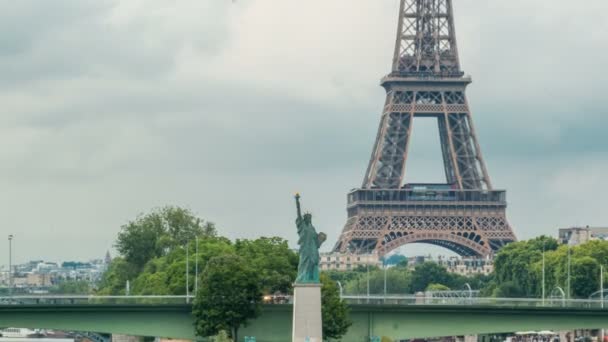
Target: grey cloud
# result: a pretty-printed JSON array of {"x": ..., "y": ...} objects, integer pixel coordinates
[{"x": 110, "y": 108}]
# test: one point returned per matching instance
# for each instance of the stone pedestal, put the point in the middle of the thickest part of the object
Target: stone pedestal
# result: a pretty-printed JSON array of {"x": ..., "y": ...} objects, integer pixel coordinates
[{"x": 307, "y": 321}]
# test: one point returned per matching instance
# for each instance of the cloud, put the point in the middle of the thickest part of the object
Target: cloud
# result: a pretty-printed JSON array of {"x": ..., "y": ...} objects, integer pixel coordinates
[{"x": 110, "y": 108}]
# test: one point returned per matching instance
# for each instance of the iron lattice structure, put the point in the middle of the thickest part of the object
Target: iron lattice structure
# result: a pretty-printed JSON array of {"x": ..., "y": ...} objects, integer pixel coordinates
[{"x": 465, "y": 215}]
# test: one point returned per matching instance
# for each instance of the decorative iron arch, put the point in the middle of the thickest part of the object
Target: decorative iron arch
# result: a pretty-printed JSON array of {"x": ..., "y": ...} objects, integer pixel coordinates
[{"x": 461, "y": 245}]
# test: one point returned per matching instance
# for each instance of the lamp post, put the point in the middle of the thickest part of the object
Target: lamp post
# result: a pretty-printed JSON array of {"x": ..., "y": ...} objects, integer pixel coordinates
[
  {"x": 602, "y": 284},
  {"x": 543, "y": 284},
  {"x": 10, "y": 264},
  {"x": 187, "y": 273},
  {"x": 385, "y": 267},
  {"x": 569, "y": 265},
  {"x": 367, "y": 264},
  {"x": 196, "y": 268}
]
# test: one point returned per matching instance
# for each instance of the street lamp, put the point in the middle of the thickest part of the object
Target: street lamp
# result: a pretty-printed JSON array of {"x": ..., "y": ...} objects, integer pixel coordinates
[
  {"x": 569, "y": 265},
  {"x": 543, "y": 289},
  {"x": 367, "y": 264},
  {"x": 187, "y": 273},
  {"x": 602, "y": 284},
  {"x": 10, "y": 264},
  {"x": 385, "y": 267},
  {"x": 196, "y": 268}
]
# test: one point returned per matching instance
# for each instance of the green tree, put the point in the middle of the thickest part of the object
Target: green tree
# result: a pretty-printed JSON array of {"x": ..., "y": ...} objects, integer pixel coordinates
[
  {"x": 167, "y": 274},
  {"x": 346, "y": 276},
  {"x": 229, "y": 296},
  {"x": 222, "y": 336},
  {"x": 477, "y": 281},
  {"x": 114, "y": 279},
  {"x": 429, "y": 273},
  {"x": 397, "y": 282},
  {"x": 276, "y": 263},
  {"x": 154, "y": 234},
  {"x": 585, "y": 276},
  {"x": 508, "y": 289},
  {"x": 334, "y": 312},
  {"x": 519, "y": 268},
  {"x": 437, "y": 287},
  {"x": 518, "y": 263},
  {"x": 596, "y": 249},
  {"x": 71, "y": 287}
]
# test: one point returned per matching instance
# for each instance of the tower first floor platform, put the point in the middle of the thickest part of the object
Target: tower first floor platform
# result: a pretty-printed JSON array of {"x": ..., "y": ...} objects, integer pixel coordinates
[{"x": 468, "y": 222}]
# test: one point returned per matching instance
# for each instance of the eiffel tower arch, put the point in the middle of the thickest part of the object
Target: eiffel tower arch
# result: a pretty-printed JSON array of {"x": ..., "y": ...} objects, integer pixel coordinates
[{"x": 465, "y": 214}]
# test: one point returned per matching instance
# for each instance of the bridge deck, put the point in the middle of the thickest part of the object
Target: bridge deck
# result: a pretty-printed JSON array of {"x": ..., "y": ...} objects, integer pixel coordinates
[{"x": 395, "y": 321}]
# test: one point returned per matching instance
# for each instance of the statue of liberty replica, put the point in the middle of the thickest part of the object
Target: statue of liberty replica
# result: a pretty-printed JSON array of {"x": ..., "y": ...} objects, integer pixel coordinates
[
  {"x": 309, "y": 242},
  {"x": 307, "y": 324}
]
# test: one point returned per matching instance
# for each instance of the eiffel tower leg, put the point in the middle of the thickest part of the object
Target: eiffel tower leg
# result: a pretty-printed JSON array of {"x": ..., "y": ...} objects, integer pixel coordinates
[
  {"x": 451, "y": 173},
  {"x": 387, "y": 165}
]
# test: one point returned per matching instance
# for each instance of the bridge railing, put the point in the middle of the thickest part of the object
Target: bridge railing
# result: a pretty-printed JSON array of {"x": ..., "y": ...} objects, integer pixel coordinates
[
  {"x": 476, "y": 301},
  {"x": 397, "y": 300},
  {"x": 99, "y": 300}
]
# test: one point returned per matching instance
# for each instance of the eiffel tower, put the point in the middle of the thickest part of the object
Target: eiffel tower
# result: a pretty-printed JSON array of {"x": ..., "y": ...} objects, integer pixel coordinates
[{"x": 465, "y": 214}]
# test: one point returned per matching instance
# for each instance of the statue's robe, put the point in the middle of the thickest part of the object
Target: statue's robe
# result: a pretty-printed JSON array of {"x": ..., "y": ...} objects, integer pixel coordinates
[{"x": 308, "y": 268}]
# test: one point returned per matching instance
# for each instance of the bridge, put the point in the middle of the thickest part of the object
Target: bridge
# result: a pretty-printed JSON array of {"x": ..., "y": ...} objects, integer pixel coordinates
[{"x": 394, "y": 317}]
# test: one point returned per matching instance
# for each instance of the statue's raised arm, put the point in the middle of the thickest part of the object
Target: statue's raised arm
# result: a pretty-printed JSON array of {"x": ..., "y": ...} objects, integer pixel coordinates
[{"x": 298, "y": 206}]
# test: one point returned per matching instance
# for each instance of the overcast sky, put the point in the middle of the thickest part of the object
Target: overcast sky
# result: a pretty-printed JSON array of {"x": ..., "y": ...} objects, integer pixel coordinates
[{"x": 111, "y": 108}]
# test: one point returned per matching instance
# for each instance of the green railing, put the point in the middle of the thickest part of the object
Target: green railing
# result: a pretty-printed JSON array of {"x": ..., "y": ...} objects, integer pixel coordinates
[
  {"x": 474, "y": 301},
  {"x": 94, "y": 300}
]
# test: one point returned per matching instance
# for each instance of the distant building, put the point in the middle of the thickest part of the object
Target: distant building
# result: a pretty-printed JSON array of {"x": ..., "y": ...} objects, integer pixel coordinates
[
  {"x": 38, "y": 276},
  {"x": 468, "y": 266},
  {"x": 347, "y": 261},
  {"x": 418, "y": 260},
  {"x": 32, "y": 280},
  {"x": 576, "y": 235},
  {"x": 457, "y": 265}
]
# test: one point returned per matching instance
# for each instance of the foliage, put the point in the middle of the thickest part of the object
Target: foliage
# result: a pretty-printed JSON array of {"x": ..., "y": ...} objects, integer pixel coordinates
[
  {"x": 476, "y": 281},
  {"x": 222, "y": 336},
  {"x": 508, "y": 290},
  {"x": 515, "y": 263},
  {"x": 346, "y": 276},
  {"x": 397, "y": 282},
  {"x": 154, "y": 234},
  {"x": 114, "y": 279},
  {"x": 430, "y": 273},
  {"x": 395, "y": 259},
  {"x": 276, "y": 263},
  {"x": 519, "y": 268},
  {"x": 71, "y": 287},
  {"x": 229, "y": 296},
  {"x": 167, "y": 274},
  {"x": 585, "y": 276},
  {"x": 437, "y": 287},
  {"x": 335, "y": 313}
]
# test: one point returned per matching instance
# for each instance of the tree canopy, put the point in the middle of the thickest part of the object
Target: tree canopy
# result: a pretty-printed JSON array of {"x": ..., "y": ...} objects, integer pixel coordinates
[
  {"x": 230, "y": 296},
  {"x": 518, "y": 268},
  {"x": 153, "y": 252},
  {"x": 335, "y": 313},
  {"x": 158, "y": 232}
]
